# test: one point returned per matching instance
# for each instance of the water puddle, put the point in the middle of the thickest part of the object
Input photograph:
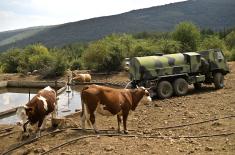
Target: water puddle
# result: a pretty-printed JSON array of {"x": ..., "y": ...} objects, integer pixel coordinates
[{"x": 69, "y": 101}]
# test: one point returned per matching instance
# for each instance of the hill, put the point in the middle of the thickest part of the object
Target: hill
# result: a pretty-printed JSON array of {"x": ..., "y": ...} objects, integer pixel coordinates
[{"x": 213, "y": 14}]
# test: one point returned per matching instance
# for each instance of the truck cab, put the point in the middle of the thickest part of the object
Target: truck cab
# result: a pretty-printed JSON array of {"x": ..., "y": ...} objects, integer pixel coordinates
[{"x": 216, "y": 60}]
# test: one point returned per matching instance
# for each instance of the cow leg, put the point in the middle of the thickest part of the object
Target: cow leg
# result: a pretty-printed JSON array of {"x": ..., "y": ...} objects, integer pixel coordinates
[
  {"x": 84, "y": 116},
  {"x": 83, "y": 120},
  {"x": 92, "y": 119},
  {"x": 53, "y": 115},
  {"x": 125, "y": 115},
  {"x": 38, "y": 132},
  {"x": 43, "y": 126},
  {"x": 119, "y": 121},
  {"x": 25, "y": 124}
]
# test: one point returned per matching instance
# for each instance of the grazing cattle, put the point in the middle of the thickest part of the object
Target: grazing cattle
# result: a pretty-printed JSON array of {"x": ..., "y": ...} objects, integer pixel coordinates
[
  {"x": 38, "y": 108},
  {"x": 82, "y": 78},
  {"x": 109, "y": 102}
]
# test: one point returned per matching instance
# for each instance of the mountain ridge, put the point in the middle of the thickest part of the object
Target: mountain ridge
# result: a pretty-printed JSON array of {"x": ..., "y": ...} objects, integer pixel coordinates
[{"x": 213, "y": 14}]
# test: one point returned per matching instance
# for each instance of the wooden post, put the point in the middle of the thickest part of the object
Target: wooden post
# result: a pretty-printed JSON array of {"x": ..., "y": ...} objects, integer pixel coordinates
[
  {"x": 29, "y": 94},
  {"x": 68, "y": 80},
  {"x": 56, "y": 103}
]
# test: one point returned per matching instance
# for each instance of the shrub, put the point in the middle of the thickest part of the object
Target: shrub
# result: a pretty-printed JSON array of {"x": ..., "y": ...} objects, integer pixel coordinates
[
  {"x": 230, "y": 40},
  {"x": 213, "y": 42},
  {"x": 169, "y": 46},
  {"x": 232, "y": 55},
  {"x": 103, "y": 55},
  {"x": 10, "y": 60},
  {"x": 188, "y": 35},
  {"x": 76, "y": 64},
  {"x": 56, "y": 67},
  {"x": 33, "y": 57}
]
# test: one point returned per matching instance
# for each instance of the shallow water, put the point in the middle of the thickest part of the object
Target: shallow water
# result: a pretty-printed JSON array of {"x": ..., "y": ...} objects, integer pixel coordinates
[{"x": 68, "y": 101}]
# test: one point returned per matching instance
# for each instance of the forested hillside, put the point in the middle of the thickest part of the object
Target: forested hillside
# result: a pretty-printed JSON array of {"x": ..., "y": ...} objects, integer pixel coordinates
[{"x": 214, "y": 14}]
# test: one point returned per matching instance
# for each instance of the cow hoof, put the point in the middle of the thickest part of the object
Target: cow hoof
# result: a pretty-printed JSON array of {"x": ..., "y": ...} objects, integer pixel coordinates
[
  {"x": 125, "y": 131},
  {"x": 38, "y": 134},
  {"x": 24, "y": 136}
]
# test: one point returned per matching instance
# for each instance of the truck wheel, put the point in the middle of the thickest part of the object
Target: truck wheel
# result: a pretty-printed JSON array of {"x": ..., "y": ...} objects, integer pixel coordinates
[
  {"x": 164, "y": 89},
  {"x": 180, "y": 87},
  {"x": 218, "y": 80},
  {"x": 197, "y": 86}
]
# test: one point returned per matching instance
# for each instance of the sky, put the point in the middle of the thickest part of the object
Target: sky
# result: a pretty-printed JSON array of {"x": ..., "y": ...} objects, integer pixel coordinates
[{"x": 16, "y": 14}]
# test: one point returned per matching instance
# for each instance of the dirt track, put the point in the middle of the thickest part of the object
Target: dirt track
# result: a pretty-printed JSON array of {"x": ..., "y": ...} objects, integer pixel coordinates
[{"x": 145, "y": 121}]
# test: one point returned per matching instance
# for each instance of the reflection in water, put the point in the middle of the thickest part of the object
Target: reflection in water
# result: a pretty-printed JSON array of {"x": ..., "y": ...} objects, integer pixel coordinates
[
  {"x": 11, "y": 100},
  {"x": 68, "y": 102}
]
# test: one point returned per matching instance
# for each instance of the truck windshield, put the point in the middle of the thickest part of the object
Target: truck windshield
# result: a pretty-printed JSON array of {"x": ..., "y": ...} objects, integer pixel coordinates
[{"x": 219, "y": 56}]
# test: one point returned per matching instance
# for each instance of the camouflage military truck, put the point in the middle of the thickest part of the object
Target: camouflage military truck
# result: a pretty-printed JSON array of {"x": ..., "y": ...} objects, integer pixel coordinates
[{"x": 173, "y": 73}]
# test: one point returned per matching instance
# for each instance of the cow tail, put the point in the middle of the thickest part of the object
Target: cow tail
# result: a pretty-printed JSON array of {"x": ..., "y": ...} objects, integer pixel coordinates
[{"x": 82, "y": 100}]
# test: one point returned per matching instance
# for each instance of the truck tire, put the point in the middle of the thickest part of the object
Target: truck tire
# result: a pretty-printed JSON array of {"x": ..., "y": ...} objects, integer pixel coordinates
[
  {"x": 218, "y": 80},
  {"x": 164, "y": 90},
  {"x": 180, "y": 87},
  {"x": 197, "y": 86}
]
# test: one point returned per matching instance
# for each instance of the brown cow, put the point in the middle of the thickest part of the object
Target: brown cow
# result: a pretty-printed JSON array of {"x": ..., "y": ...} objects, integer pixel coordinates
[
  {"x": 38, "y": 108},
  {"x": 109, "y": 102},
  {"x": 82, "y": 77}
]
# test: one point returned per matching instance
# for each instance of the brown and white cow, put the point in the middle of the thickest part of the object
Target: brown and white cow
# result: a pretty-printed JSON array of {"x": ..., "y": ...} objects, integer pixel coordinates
[
  {"x": 38, "y": 108},
  {"x": 82, "y": 78},
  {"x": 109, "y": 102}
]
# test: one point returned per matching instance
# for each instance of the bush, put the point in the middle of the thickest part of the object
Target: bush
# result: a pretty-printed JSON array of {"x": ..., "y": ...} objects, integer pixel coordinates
[
  {"x": 213, "y": 42},
  {"x": 34, "y": 57},
  {"x": 56, "y": 67},
  {"x": 10, "y": 60},
  {"x": 169, "y": 46},
  {"x": 230, "y": 40},
  {"x": 103, "y": 55},
  {"x": 188, "y": 35},
  {"x": 76, "y": 64},
  {"x": 232, "y": 55}
]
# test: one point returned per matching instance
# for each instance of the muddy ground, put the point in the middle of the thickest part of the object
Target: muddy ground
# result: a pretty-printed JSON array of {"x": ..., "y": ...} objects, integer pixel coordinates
[{"x": 210, "y": 137}]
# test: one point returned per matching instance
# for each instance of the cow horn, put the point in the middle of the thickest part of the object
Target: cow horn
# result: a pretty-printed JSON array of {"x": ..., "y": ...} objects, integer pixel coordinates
[{"x": 137, "y": 86}]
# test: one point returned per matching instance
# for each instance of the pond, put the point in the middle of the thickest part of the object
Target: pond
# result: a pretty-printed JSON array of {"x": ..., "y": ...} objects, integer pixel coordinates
[{"x": 68, "y": 102}]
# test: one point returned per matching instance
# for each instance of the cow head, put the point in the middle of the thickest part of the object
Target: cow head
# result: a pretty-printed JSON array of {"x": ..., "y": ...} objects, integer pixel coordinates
[
  {"x": 146, "y": 93},
  {"x": 138, "y": 94},
  {"x": 24, "y": 113},
  {"x": 29, "y": 111},
  {"x": 21, "y": 114}
]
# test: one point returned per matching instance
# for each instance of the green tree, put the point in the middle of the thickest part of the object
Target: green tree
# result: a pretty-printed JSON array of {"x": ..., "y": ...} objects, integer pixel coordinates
[
  {"x": 10, "y": 60},
  {"x": 144, "y": 47},
  {"x": 188, "y": 35},
  {"x": 73, "y": 51},
  {"x": 76, "y": 64},
  {"x": 232, "y": 55},
  {"x": 169, "y": 46},
  {"x": 212, "y": 42},
  {"x": 230, "y": 40},
  {"x": 33, "y": 57},
  {"x": 103, "y": 55}
]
